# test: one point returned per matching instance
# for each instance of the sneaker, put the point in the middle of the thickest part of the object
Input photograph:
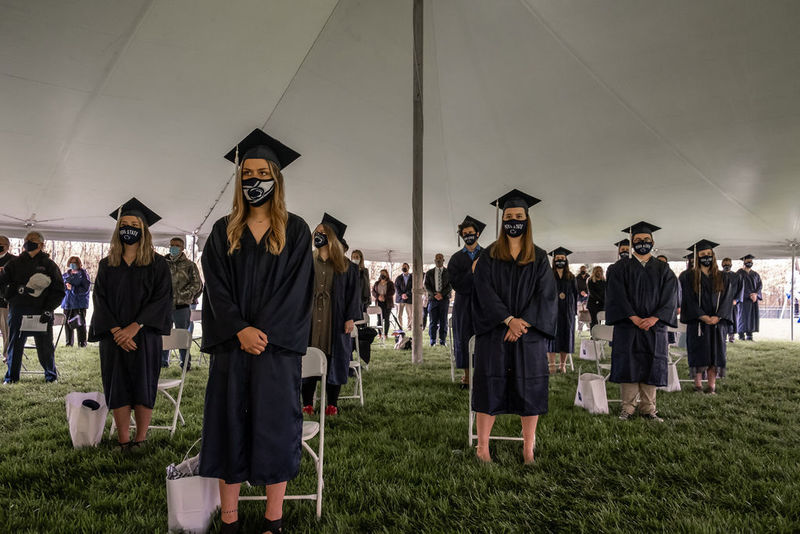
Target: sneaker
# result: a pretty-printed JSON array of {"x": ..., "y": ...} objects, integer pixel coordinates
[
  {"x": 624, "y": 416},
  {"x": 331, "y": 410},
  {"x": 698, "y": 389},
  {"x": 308, "y": 410},
  {"x": 653, "y": 417}
]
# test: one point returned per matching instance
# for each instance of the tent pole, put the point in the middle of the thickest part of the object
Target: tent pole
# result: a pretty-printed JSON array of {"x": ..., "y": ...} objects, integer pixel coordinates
[
  {"x": 794, "y": 296},
  {"x": 416, "y": 194}
]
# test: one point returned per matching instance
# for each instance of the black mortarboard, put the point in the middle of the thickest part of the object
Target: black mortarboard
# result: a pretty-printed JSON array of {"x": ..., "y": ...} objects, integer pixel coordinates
[
  {"x": 135, "y": 207},
  {"x": 625, "y": 242},
  {"x": 338, "y": 226},
  {"x": 259, "y": 145},
  {"x": 471, "y": 221},
  {"x": 560, "y": 250},
  {"x": 515, "y": 199},
  {"x": 641, "y": 228},
  {"x": 689, "y": 256},
  {"x": 748, "y": 257},
  {"x": 703, "y": 244}
]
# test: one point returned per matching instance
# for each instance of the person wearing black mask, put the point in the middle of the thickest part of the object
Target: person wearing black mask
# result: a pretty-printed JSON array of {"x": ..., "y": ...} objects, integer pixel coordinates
[
  {"x": 567, "y": 290},
  {"x": 640, "y": 304},
  {"x": 736, "y": 288},
  {"x": 748, "y": 299},
  {"x": 34, "y": 289},
  {"x": 597, "y": 294},
  {"x": 5, "y": 257},
  {"x": 623, "y": 253},
  {"x": 581, "y": 280},
  {"x": 439, "y": 288},
  {"x": 404, "y": 287},
  {"x": 383, "y": 293}
]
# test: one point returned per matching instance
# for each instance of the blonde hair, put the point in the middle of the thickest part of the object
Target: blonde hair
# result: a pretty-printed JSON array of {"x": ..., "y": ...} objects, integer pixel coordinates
[
  {"x": 335, "y": 251},
  {"x": 501, "y": 249},
  {"x": 237, "y": 219},
  {"x": 145, "y": 253},
  {"x": 597, "y": 273}
]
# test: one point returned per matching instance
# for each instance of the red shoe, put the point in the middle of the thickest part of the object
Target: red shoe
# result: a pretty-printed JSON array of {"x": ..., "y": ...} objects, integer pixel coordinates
[
  {"x": 331, "y": 410},
  {"x": 308, "y": 410}
]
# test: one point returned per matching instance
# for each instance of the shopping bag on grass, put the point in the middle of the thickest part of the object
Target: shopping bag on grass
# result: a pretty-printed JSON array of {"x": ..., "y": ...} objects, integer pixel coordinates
[
  {"x": 191, "y": 499},
  {"x": 588, "y": 350},
  {"x": 591, "y": 393},
  {"x": 86, "y": 416}
]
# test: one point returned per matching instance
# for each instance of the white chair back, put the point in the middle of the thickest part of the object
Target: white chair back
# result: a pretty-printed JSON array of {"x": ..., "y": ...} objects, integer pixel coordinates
[
  {"x": 315, "y": 364},
  {"x": 59, "y": 319},
  {"x": 681, "y": 328},
  {"x": 196, "y": 315},
  {"x": 601, "y": 332},
  {"x": 178, "y": 339},
  {"x": 601, "y": 317}
]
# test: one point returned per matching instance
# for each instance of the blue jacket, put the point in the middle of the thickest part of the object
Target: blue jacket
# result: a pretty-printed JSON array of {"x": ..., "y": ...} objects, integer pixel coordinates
[{"x": 76, "y": 298}]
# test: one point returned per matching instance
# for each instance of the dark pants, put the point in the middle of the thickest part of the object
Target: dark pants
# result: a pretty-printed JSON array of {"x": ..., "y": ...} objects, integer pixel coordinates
[
  {"x": 181, "y": 319},
  {"x": 437, "y": 309},
  {"x": 386, "y": 313},
  {"x": 594, "y": 308},
  {"x": 44, "y": 348},
  {"x": 76, "y": 322},
  {"x": 425, "y": 317},
  {"x": 310, "y": 386}
]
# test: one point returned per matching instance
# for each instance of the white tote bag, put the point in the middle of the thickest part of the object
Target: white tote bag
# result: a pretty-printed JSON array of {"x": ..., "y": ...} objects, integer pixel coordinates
[
  {"x": 86, "y": 425},
  {"x": 588, "y": 350},
  {"x": 191, "y": 502},
  {"x": 673, "y": 380},
  {"x": 591, "y": 393}
]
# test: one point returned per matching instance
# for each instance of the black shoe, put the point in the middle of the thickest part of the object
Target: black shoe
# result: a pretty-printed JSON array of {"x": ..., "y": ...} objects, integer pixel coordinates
[
  {"x": 164, "y": 365},
  {"x": 82, "y": 345},
  {"x": 274, "y": 527},
  {"x": 229, "y": 528}
]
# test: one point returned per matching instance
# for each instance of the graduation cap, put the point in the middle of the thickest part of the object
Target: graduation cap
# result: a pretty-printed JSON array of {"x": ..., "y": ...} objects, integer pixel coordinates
[
  {"x": 471, "y": 221},
  {"x": 703, "y": 244},
  {"x": 748, "y": 257},
  {"x": 515, "y": 199},
  {"x": 625, "y": 242},
  {"x": 560, "y": 251},
  {"x": 689, "y": 256},
  {"x": 259, "y": 145},
  {"x": 338, "y": 226},
  {"x": 135, "y": 207},
  {"x": 641, "y": 228}
]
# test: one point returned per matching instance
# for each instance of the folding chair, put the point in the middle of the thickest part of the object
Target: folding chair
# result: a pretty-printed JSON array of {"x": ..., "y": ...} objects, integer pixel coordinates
[
  {"x": 472, "y": 436},
  {"x": 355, "y": 365},
  {"x": 376, "y": 310},
  {"x": 177, "y": 339},
  {"x": 601, "y": 335},
  {"x": 196, "y": 318},
  {"x": 59, "y": 319},
  {"x": 314, "y": 365},
  {"x": 601, "y": 317},
  {"x": 452, "y": 347}
]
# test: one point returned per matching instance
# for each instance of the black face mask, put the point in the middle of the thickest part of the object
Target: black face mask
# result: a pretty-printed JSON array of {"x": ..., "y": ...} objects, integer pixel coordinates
[
  {"x": 130, "y": 235},
  {"x": 748, "y": 264},
  {"x": 30, "y": 246},
  {"x": 515, "y": 228},
  {"x": 2, "y": 249},
  {"x": 643, "y": 248},
  {"x": 469, "y": 239},
  {"x": 258, "y": 192},
  {"x": 405, "y": 269},
  {"x": 320, "y": 239},
  {"x": 625, "y": 255},
  {"x": 560, "y": 264},
  {"x": 726, "y": 268},
  {"x": 384, "y": 277},
  {"x": 706, "y": 261}
]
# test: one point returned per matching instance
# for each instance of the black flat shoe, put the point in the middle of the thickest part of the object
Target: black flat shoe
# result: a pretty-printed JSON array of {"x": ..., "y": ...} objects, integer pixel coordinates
[
  {"x": 273, "y": 527},
  {"x": 123, "y": 448},
  {"x": 229, "y": 528}
]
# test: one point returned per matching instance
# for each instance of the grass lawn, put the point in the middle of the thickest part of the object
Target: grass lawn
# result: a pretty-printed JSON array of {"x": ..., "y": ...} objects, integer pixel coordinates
[{"x": 401, "y": 463}]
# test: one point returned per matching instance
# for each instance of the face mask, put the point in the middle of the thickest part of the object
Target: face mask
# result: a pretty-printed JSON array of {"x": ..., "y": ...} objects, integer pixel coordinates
[
  {"x": 258, "y": 192},
  {"x": 560, "y": 264},
  {"x": 625, "y": 255},
  {"x": 320, "y": 239},
  {"x": 469, "y": 239},
  {"x": 643, "y": 248},
  {"x": 726, "y": 268},
  {"x": 30, "y": 246},
  {"x": 515, "y": 228},
  {"x": 2, "y": 249},
  {"x": 73, "y": 266},
  {"x": 174, "y": 251},
  {"x": 405, "y": 269},
  {"x": 748, "y": 264},
  {"x": 706, "y": 261},
  {"x": 356, "y": 259},
  {"x": 384, "y": 277},
  {"x": 130, "y": 235}
]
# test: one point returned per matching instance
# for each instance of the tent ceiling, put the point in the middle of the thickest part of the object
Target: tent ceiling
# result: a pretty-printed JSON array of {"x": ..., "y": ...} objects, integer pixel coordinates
[{"x": 683, "y": 113}]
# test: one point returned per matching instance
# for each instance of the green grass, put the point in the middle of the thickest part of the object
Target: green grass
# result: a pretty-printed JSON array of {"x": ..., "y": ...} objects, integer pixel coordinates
[{"x": 401, "y": 463}]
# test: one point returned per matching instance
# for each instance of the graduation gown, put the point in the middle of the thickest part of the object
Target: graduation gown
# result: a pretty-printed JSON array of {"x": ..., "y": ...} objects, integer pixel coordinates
[
  {"x": 705, "y": 344},
  {"x": 461, "y": 278},
  {"x": 646, "y": 291},
  {"x": 252, "y": 423},
  {"x": 512, "y": 377},
  {"x": 735, "y": 291},
  {"x": 567, "y": 309},
  {"x": 346, "y": 306},
  {"x": 748, "y": 317},
  {"x": 131, "y": 294}
]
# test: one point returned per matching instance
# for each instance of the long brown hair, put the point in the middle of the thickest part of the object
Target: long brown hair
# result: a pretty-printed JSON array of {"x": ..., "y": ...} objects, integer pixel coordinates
[
  {"x": 335, "y": 251},
  {"x": 237, "y": 220},
  {"x": 718, "y": 284},
  {"x": 145, "y": 253},
  {"x": 501, "y": 249},
  {"x": 597, "y": 273},
  {"x": 567, "y": 273},
  {"x": 361, "y": 258},
  {"x": 77, "y": 262}
]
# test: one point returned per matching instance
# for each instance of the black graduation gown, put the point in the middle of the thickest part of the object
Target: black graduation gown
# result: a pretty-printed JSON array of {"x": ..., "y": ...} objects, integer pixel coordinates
[
  {"x": 646, "y": 291},
  {"x": 461, "y": 278},
  {"x": 123, "y": 295},
  {"x": 567, "y": 309},
  {"x": 512, "y": 377},
  {"x": 748, "y": 313},
  {"x": 345, "y": 306},
  {"x": 705, "y": 344},
  {"x": 735, "y": 291},
  {"x": 252, "y": 423}
]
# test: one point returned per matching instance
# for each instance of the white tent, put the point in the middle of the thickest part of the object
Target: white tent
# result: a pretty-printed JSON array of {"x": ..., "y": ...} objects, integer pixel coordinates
[{"x": 683, "y": 113}]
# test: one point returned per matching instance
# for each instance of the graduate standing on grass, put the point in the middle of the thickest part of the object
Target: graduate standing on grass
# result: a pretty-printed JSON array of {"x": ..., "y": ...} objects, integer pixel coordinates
[
  {"x": 736, "y": 288},
  {"x": 132, "y": 310},
  {"x": 623, "y": 253},
  {"x": 514, "y": 309},
  {"x": 256, "y": 320},
  {"x": 640, "y": 304},
  {"x": 567, "y": 290},
  {"x": 748, "y": 299},
  {"x": 336, "y": 307},
  {"x": 706, "y": 312},
  {"x": 461, "y": 277}
]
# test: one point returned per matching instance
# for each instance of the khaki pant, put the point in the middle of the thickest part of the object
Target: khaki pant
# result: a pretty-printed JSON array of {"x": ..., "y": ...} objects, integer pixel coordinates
[
  {"x": 408, "y": 309},
  {"x": 647, "y": 398},
  {"x": 4, "y": 330}
]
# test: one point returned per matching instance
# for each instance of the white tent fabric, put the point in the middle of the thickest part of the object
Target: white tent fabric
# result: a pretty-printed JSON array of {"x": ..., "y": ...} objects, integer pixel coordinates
[{"x": 682, "y": 113}]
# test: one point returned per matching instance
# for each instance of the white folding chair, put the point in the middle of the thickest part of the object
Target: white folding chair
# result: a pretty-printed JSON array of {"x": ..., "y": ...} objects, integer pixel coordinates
[
  {"x": 196, "y": 319},
  {"x": 59, "y": 319},
  {"x": 452, "y": 348},
  {"x": 315, "y": 365},
  {"x": 472, "y": 436},
  {"x": 601, "y": 317},
  {"x": 177, "y": 339},
  {"x": 355, "y": 365},
  {"x": 376, "y": 310}
]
